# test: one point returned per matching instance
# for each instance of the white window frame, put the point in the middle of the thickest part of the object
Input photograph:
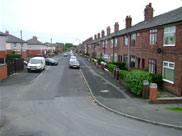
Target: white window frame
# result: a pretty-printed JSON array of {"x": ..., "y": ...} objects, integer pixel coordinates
[
  {"x": 111, "y": 43},
  {"x": 153, "y": 37},
  {"x": 152, "y": 64},
  {"x": 133, "y": 38},
  {"x": 167, "y": 31},
  {"x": 115, "y": 57},
  {"x": 115, "y": 42},
  {"x": 103, "y": 43},
  {"x": 106, "y": 44},
  {"x": 126, "y": 40},
  {"x": 169, "y": 62}
]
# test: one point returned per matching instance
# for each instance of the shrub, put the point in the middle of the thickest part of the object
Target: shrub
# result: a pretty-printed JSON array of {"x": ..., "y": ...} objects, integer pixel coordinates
[
  {"x": 56, "y": 52},
  {"x": 13, "y": 55},
  {"x": 157, "y": 78},
  {"x": 134, "y": 80},
  {"x": 100, "y": 60},
  {"x": 120, "y": 65},
  {"x": 122, "y": 74},
  {"x": 111, "y": 67}
]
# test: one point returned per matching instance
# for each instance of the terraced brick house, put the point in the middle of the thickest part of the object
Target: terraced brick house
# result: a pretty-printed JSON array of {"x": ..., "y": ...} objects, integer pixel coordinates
[{"x": 154, "y": 44}]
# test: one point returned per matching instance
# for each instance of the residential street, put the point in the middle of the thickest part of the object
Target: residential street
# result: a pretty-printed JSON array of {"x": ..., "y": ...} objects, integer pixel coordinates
[{"x": 57, "y": 103}]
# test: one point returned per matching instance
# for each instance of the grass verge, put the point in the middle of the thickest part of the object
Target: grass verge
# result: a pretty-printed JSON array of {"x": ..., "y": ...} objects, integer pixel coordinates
[{"x": 179, "y": 109}]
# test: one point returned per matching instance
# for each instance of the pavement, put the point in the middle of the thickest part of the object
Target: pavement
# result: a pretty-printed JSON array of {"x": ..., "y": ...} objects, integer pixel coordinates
[{"x": 110, "y": 94}]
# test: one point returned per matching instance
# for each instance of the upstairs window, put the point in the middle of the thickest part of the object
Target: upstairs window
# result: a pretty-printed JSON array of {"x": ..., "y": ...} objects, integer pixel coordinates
[
  {"x": 169, "y": 36},
  {"x": 115, "y": 42},
  {"x": 126, "y": 40},
  {"x": 14, "y": 45},
  {"x": 153, "y": 37},
  {"x": 106, "y": 44},
  {"x": 103, "y": 44},
  {"x": 111, "y": 43},
  {"x": 133, "y": 39}
]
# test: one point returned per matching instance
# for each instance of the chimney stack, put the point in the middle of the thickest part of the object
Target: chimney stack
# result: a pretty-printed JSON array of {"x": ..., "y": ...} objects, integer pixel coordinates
[
  {"x": 148, "y": 12},
  {"x": 35, "y": 38},
  {"x": 98, "y": 35},
  {"x": 95, "y": 37},
  {"x": 128, "y": 21},
  {"x": 108, "y": 30},
  {"x": 7, "y": 33},
  {"x": 103, "y": 33},
  {"x": 116, "y": 27}
]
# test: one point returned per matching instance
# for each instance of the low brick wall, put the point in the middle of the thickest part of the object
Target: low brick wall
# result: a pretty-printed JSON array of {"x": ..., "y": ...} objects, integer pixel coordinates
[{"x": 3, "y": 71}]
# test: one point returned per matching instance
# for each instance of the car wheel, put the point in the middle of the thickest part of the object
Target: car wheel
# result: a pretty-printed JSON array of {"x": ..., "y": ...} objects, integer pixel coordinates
[{"x": 28, "y": 70}]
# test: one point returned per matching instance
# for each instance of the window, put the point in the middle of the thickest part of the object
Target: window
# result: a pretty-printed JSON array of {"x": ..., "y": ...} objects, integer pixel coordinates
[
  {"x": 132, "y": 61},
  {"x": 30, "y": 46},
  {"x": 126, "y": 59},
  {"x": 169, "y": 36},
  {"x": 106, "y": 44},
  {"x": 168, "y": 71},
  {"x": 14, "y": 45},
  {"x": 103, "y": 44},
  {"x": 125, "y": 40},
  {"x": 111, "y": 57},
  {"x": 111, "y": 43},
  {"x": 115, "y": 57},
  {"x": 115, "y": 42},
  {"x": 133, "y": 39},
  {"x": 153, "y": 37},
  {"x": 152, "y": 66}
]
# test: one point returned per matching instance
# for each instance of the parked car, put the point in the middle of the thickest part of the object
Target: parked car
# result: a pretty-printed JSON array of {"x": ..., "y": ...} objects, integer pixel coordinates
[
  {"x": 51, "y": 61},
  {"x": 36, "y": 64},
  {"x": 73, "y": 58},
  {"x": 74, "y": 64},
  {"x": 65, "y": 54}
]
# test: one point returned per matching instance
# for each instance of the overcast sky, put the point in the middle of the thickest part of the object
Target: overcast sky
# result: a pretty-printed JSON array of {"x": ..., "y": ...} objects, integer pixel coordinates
[{"x": 73, "y": 20}]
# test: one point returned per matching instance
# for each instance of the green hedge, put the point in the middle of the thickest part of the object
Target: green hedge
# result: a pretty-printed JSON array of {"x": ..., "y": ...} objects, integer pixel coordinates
[
  {"x": 134, "y": 80},
  {"x": 13, "y": 55},
  {"x": 100, "y": 60},
  {"x": 111, "y": 67},
  {"x": 120, "y": 65},
  {"x": 122, "y": 74},
  {"x": 157, "y": 78}
]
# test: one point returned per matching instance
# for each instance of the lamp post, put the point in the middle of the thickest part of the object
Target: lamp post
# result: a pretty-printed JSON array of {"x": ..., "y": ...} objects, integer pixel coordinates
[{"x": 21, "y": 41}]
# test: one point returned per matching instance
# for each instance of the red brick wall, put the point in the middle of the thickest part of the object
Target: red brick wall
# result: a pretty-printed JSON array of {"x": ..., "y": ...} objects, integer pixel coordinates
[
  {"x": 33, "y": 52},
  {"x": 2, "y": 54},
  {"x": 9, "y": 51},
  {"x": 3, "y": 72}
]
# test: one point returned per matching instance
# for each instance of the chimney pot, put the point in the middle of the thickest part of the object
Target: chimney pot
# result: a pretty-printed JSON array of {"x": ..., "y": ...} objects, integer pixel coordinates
[
  {"x": 116, "y": 27},
  {"x": 35, "y": 37},
  {"x": 128, "y": 21},
  {"x": 108, "y": 30},
  {"x": 7, "y": 32},
  {"x": 148, "y": 12}
]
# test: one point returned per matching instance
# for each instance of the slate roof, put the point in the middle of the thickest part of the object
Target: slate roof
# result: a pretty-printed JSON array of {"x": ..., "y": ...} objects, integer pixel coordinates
[
  {"x": 2, "y": 34},
  {"x": 170, "y": 17},
  {"x": 14, "y": 39},
  {"x": 34, "y": 42}
]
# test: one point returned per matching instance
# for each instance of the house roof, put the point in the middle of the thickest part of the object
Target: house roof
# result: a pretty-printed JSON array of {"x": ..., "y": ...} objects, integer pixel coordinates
[
  {"x": 170, "y": 17},
  {"x": 14, "y": 39},
  {"x": 34, "y": 42},
  {"x": 2, "y": 34},
  {"x": 60, "y": 44}
]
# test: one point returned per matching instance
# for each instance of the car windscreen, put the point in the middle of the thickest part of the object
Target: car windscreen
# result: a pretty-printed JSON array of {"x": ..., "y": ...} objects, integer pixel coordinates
[{"x": 35, "y": 61}]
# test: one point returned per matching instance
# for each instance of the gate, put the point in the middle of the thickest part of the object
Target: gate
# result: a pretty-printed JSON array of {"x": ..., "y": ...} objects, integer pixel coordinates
[{"x": 14, "y": 65}]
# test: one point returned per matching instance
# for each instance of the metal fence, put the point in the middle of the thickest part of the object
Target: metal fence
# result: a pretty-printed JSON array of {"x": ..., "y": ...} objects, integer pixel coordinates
[{"x": 14, "y": 65}]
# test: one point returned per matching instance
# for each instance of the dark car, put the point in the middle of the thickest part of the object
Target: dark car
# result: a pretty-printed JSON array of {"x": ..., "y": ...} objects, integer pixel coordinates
[
  {"x": 74, "y": 64},
  {"x": 51, "y": 61}
]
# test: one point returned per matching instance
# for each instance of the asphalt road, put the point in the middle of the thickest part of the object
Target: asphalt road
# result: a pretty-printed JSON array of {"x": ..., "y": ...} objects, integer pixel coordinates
[{"x": 58, "y": 104}]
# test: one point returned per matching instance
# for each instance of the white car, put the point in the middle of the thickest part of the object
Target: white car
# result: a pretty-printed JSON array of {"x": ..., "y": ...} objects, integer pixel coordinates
[
  {"x": 36, "y": 64},
  {"x": 73, "y": 58},
  {"x": 74, "y": 64}
]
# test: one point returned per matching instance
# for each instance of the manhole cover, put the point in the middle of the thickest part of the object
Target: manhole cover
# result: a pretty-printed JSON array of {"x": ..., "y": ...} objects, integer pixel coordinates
[{"x": 104, "y": 91}]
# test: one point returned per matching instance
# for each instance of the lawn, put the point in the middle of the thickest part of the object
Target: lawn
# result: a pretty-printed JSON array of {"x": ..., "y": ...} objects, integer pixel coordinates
[{"x": 179, "y": 109}]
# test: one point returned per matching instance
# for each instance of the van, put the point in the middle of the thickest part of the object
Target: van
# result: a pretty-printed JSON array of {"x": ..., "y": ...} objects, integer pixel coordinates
[{"x": 36, "y": 64}]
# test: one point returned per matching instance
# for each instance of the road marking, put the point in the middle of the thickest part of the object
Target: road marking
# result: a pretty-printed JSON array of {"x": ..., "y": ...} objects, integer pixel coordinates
[{"x": 104, "y": 91}]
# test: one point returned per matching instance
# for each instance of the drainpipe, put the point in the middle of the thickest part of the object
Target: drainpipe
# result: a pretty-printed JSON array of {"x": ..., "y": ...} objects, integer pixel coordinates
[
  {"x": 128, "y": 52},
  {"x": 113, "y": 47}
]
